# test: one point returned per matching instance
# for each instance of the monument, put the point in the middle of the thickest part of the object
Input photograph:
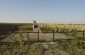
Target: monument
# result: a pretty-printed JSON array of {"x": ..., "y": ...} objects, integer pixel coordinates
[{"x": 35, "y": 27}]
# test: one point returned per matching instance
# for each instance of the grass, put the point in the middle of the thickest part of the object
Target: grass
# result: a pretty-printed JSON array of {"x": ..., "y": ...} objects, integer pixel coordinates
[
  {"x": 73, "y": 47},
  {"x": 20, "y": 48}
]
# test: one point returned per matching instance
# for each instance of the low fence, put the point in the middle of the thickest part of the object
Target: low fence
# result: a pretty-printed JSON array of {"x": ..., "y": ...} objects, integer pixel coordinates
[{"x": 53, "y": 35}]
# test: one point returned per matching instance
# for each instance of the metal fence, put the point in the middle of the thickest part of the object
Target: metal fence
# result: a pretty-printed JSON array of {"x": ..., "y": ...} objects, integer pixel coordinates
[{"x": 53, "y": 35}]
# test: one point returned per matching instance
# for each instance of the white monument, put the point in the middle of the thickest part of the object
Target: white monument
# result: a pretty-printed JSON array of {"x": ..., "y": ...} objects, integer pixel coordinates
[{"x": 36, "y": 27}]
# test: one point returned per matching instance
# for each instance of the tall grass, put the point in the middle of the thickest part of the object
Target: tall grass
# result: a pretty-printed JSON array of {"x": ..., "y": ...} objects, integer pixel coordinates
[{"x": 73, "y": 47}]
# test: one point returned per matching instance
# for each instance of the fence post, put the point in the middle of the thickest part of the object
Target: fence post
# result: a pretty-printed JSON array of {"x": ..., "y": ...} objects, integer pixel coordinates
[
  {"x": 53, "y": 36},
  {"x": 28, "y": 35},
  {"x": 38, "y": 36},
  {"x": 83, "y": 34}
]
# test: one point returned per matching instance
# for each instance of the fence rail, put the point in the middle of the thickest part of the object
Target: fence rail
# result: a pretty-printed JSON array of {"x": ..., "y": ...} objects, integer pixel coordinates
[{"x": 53, "y": 35}]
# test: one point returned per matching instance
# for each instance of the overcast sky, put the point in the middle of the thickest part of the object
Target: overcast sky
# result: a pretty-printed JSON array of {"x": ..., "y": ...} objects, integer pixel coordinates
[{"x": 43, "y": 11}]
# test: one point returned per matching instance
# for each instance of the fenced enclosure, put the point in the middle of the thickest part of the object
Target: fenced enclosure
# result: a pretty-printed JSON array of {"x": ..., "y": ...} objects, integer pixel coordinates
[
  {"x": 53, "y": 36},
  {"x": 24, "y": 43}
]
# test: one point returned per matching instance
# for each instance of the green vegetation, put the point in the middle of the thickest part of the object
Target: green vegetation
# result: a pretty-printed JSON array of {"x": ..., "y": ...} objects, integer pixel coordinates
[
  {"x": 73, "y": 47},
  {"x": 20, "y": 48}
]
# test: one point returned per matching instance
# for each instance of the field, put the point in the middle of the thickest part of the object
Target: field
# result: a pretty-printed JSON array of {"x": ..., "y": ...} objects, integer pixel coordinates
[{"x": 61, "y": 47}]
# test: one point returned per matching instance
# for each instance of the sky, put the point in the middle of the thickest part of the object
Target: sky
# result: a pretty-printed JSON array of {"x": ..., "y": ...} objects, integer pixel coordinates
[{"x": 43, "y": 11}]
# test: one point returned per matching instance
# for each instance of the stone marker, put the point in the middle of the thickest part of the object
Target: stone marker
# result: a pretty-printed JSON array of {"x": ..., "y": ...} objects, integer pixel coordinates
[{"x": 36, "y": 27}]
